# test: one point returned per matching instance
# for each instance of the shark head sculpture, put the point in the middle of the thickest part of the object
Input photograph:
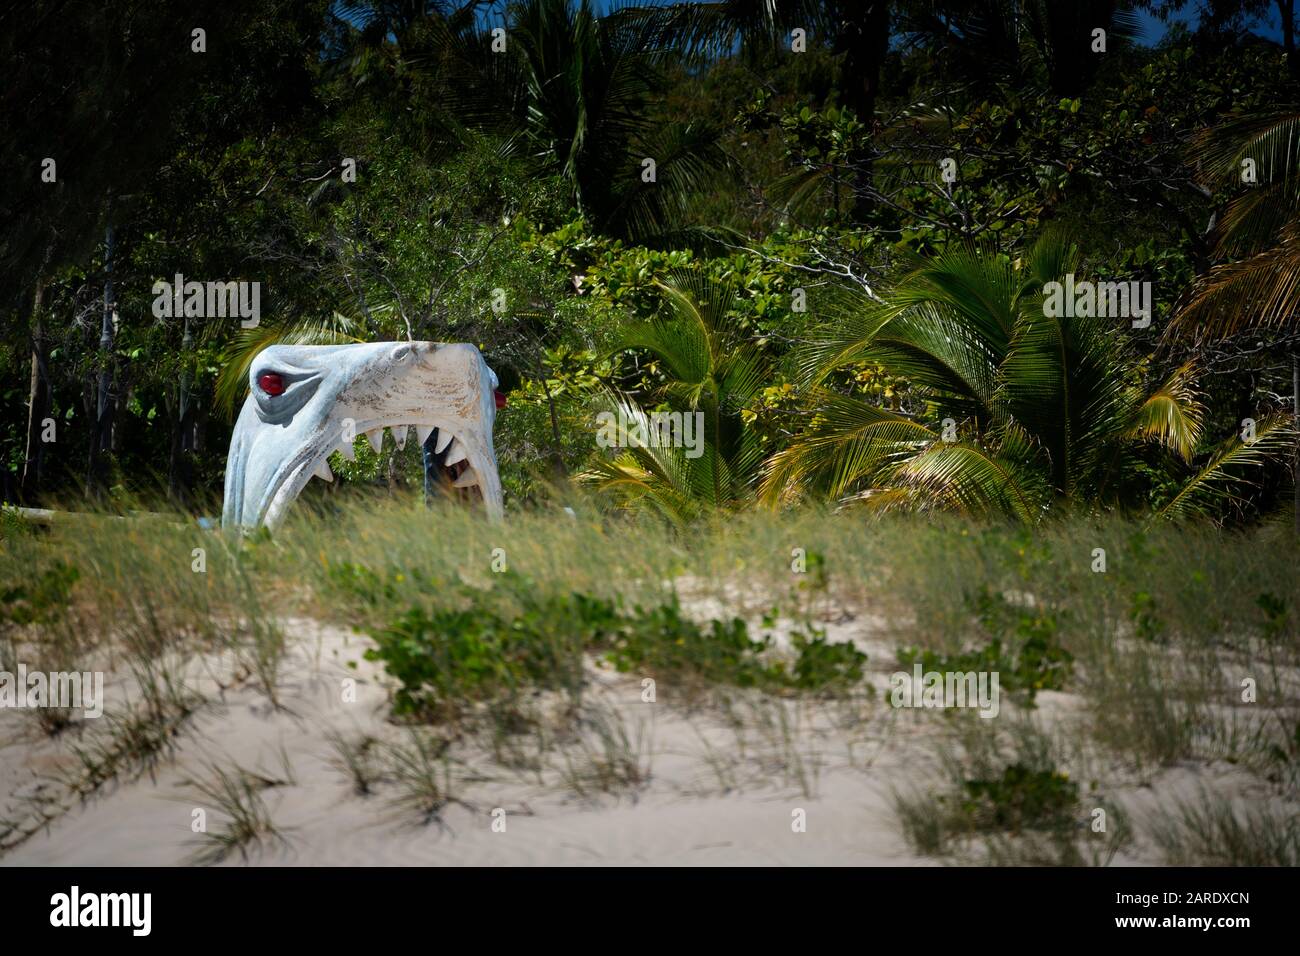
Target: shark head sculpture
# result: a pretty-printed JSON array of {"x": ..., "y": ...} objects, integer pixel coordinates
[{"x": 307, "y": 401}]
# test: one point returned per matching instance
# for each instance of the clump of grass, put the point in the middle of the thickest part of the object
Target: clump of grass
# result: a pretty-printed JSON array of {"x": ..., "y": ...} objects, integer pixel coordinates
[
  {"x": 28, "y": 814},
  {"x": 924, "y": 829},
  {"x": 519, "y": 735},
  {"x": 1144, "y": 615},
  {"x": 1209, "y": 831},
  {"x": 1276, "y": 622},
  {"x": 1136, "y": 708},
  {"x": 14, "y": 525},
  {"x": 723, "y": 763},
  {"x": 1081, "y": 845},
  {"x": 1015, "y": 805},
  {"x": 237, "y": 794},
  {"x": 772, "y": 742},
  {"x": 784, "y": 752},
  {"x": 37, "y": 612},
  {"x": 259, "y": 642},
  {"x": 606, "y": 758},
  {"x": 130, "y": 743},
  {"x": 37, "y": 597},
  {"x": 422, "y": 772},
  {"x": 135, "y": 741},
  {"x": 1280, "y": 755},
  {"x": 358, "y": 757}
]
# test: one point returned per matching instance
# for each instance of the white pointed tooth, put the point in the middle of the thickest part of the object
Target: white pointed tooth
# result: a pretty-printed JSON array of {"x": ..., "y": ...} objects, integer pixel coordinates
[
  {"x": 458, "y": 453},
  {"x": 323, "y": 471},
  {"x": 346, "y": 450},
  {"x": 399, "y": 436},
  {"x": 467, "y": 479},
  {"x": 444, "y": 439},
  {"x": 376, "y": 438},
  {"x": 422, "y": 433}
]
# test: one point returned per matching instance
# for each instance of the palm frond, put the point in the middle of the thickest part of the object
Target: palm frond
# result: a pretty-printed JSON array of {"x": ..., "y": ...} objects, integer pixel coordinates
[
  {"x": 1271, "y": 139},
  {"x": 975, "y": 480},
  {"x": 689, "y": 160},
  {"x": 848, "y": 445},
  {"x": 1171, "y": 415},
  {"x": 1253, "y": 221},
  {"x": 707, "y": 30},
  {"x": 1261, "y": 292},
  {"x": 1218, "y": 481},
  {"x": 667, "y": 478}
]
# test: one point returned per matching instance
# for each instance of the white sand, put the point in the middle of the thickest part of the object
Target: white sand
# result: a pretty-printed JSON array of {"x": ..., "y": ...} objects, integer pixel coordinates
[{"x": 687, "y": 814}]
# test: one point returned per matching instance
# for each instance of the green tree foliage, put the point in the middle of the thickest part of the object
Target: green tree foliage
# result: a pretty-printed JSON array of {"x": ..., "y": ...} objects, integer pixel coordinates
[
  {"x": 1025, "y": 408},
  {"x": 708, "y": 371},
  {"x": 840, "y": 244}
]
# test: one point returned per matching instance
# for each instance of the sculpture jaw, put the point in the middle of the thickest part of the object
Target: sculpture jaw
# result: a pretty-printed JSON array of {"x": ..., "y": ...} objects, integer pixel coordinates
[{"x": 330, "y": 393}]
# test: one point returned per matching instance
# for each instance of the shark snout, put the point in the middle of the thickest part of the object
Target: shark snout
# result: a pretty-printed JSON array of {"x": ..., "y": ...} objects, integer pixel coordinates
[{"x": 337, "y": 393}]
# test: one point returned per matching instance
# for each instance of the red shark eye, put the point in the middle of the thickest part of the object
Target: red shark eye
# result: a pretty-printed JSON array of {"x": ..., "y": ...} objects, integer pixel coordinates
[
  {"x": 501, "y": 399},
  {"x": 271, "y": 383}
]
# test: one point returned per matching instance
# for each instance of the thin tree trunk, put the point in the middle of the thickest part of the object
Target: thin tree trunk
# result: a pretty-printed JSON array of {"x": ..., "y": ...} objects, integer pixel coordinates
[
  {"x": 106, "y": 326},
  {"x": 38, "y": 404},
  {"x": 183, "y": 439},
  {"x": 557, "y": 456},
  {"x": 862, "y": 36},
  {"x": 101, "y": 437}
]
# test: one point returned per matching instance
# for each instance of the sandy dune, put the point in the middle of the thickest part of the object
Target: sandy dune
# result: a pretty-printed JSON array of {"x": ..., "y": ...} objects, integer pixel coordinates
[{"x": 713, "y": 797}]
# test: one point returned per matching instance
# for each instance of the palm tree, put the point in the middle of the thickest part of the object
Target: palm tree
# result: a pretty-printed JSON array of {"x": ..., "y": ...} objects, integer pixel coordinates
[
  {"x": 572, "y": 88},
  {"x": 1040, "y": 410},
  {"x": 1019, "y": 40},
  {"x": 410, "y": 56},
  {"x": 1256, "y": 288},
  {"x": 589, "y": 83},
  {"x": 711, "y": 372},
  {"x": 857, "y": 31},
  {"x": 1260, "y": 228},
  {"x": 717, "y": 26}
]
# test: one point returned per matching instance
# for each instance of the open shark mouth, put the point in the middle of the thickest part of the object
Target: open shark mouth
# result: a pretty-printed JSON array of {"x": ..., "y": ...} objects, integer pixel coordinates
[{"x": 308, "y": 401}]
